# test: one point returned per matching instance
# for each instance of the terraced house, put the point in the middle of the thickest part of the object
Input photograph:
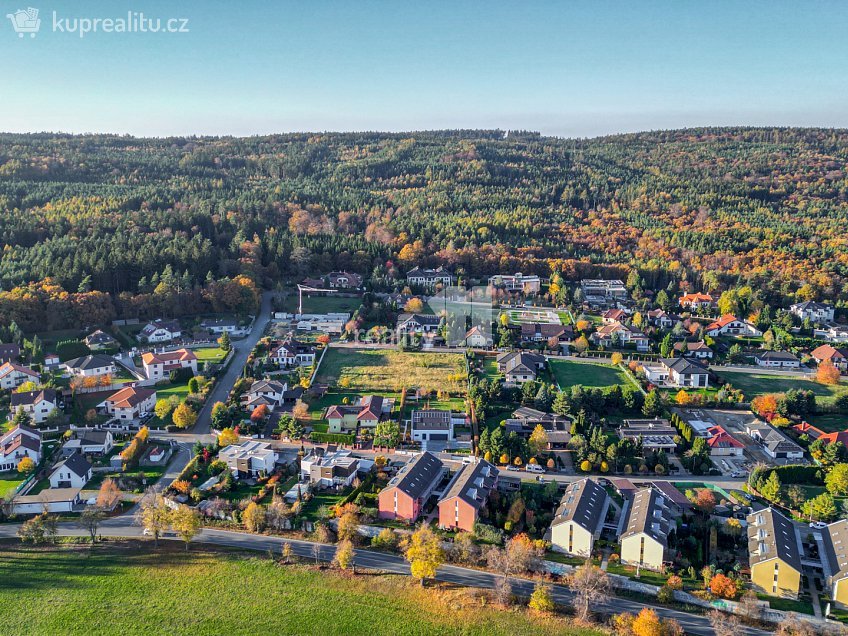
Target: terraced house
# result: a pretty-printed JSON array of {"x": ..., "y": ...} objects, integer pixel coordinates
[
  {"x": 649, "y": 522},
  {"x": 834, "y": 554},
  {"x": 774, "y": 552},
  {"x": 459, "y": 507},
  {"x": 579, "y": 518},
  {"x": 407, "y": 492}
]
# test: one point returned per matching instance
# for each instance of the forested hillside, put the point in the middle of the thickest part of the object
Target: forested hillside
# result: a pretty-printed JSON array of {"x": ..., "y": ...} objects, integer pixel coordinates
[{"x": 108, "y": 213}]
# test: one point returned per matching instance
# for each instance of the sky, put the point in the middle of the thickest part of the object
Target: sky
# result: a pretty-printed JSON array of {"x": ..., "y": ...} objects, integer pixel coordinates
[{"x": 575, "y": 69}]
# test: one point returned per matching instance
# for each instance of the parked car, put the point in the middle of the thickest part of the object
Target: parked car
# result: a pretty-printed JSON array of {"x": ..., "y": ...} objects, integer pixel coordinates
[
  {"x": 818, "y": 525},
  {"x": 534, "y": 468},
  {"x": 738, "y": 473}
]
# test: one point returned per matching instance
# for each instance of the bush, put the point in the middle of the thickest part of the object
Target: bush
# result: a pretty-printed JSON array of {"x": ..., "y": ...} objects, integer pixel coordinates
[{"x": 488, "y": 534}]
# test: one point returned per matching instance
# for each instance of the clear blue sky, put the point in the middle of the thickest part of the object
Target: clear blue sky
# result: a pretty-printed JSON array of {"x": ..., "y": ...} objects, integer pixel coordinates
[{"x": 564, "y": 68}]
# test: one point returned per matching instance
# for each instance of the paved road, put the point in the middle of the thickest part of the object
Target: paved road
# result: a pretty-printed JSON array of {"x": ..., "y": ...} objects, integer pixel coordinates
[
  {"x": 122, "y": 527},
  {"x": 242, "y": 350}
]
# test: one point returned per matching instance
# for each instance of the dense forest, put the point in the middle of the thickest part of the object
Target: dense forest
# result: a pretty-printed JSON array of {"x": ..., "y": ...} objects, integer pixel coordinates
[{"x": 766, "y": 207}]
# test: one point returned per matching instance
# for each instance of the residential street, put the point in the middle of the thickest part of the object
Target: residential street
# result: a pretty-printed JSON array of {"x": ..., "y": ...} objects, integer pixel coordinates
[
  {"x": 242, "y": 351},
  {"x": 123, "y": 526}
]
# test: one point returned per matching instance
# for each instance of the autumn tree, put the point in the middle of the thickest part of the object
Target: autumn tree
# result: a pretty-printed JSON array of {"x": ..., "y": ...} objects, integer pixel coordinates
[
  {"x": 538, "y": 440},
  {"x": 542, "y": 600},
  {"x": 109, "y": 494},
  {"x": 163, "y": 408},
  {"x": 723, "y": 586},
  {"x": 228, "y": 437},
  {"x": 827, "y": 373},
  {"x": 154, "y": 515},
  {"x": 184, "y": 416},
  {"x": 705, "y": 500},
  {"x": 186, "y": 523},
  {"x": 424, "y": 553},
  {"x": 26, "y": 466},
  {"x": 259, "y": 414},
  {"x": 253, "y": 517},
  {"x": 344, "y": 557},
  {"x": 591, "y": 587}
]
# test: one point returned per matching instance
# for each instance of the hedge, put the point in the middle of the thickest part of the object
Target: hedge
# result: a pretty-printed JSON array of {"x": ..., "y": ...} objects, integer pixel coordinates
[{"x": 332, "y": 438}]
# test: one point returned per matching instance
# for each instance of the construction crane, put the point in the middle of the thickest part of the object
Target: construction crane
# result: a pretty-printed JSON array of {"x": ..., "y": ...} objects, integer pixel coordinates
[{"x": 306, "y": 288}]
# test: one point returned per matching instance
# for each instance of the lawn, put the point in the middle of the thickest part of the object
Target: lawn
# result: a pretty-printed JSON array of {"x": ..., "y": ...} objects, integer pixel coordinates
[
  {"x": 214, "y": 355},
  {"x": 568, "y": 373},
  {"x": 381, "y": 370},
  {"x": 787, "y": 604},
  {"x": 322, "y": 304},
  {"x": 129, "y": 589},
  {"x": 321, "y": 498},
  {"x": 829, "y": 423},
  {"x": 8, "y": 483},
  {"x": 754, "y": 384}
]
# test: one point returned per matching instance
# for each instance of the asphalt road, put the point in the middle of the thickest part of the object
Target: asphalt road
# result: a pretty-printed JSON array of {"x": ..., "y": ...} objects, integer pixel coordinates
[
  {"x": 123, "y": 527},
  {"x": 225, "y": 383}
]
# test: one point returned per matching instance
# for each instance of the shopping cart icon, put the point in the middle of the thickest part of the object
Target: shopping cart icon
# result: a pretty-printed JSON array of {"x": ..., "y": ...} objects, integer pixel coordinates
[{"x": 25, "y": 21}]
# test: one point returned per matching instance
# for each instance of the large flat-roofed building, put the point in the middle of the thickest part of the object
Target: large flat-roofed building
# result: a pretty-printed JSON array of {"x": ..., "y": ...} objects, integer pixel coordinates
[
  {"x": 579, "y": 518},
  {"x": 774, "y": 552},
  {"x": 603, "y": 292},
  {"x": 517, "y": 282},
  {"x": 655, "y": 434}
]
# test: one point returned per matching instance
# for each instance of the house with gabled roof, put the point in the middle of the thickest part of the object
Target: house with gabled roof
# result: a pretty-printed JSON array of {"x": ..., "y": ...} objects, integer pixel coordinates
[
  {"x": 90, "y": 366},
  {"x": 367, "y": 412},
  {"x": 478, "y": 338},
  {"x": 14, "y": 375},
  {"x": 699, "y": 350},
  {"x": 833, "y": 549},
  {"x": 160, "y": 331},
  {"x": 467, "y": 493},
  {"x": 37, "y": 404},
  {"x": 617, "y": 332},
  {"x": 723, "y": 444},
  {"x": 677, "y": 372},
  {"x": 543, "y": 332},
  {"x": 430, "y": 277},
  {"x": 579, "y": 519},
  {"x": 696, "y": 301},
  {"x": 838, "y": 356},
  {"x": 407, "y": 492},
  {"x": 291, "y": 353},
  {"x": 418, "y": 323},
  {"x": 730, "y": 325},
  {"x": 774, "y": 554},
  {"x": 777, "y": 360},
  {"x": 158, "y": 366},
  {"x": 520, "y": 367},
  {"x": 20, "y": 442},
  {"x": 73, "y": 472},
  {"x": 130, "y": 403}
]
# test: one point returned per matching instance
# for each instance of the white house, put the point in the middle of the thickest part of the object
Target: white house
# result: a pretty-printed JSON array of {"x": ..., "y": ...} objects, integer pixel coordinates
[
  {"x": 677, "y": 372},
  {"x": 158, "y": 366},
  {"x": 90, "y": 366},
  {"x": 774, "y": 443},
  {"x": 326, "y": 323},
  {"x": 292, "y": 353},
  {"x": 477, "y": 338},
  {"x": 435, "y": 425},
  {"x": 429, "y": 277},
  {"x": 610, "y": 334},
  {"x": 777, "y": 360},
  {"x": 815, "y": 312},
  {"x": 14, "y": 375},
  {"x": 20, "y": 442},
  {"x": 73, "y": 472},
  {"x": 335, "y": 469},
  {"x": 100, "y": 340},
  {"x": 832, "y": 333},
  {"x": 37, "y": 404},
  {"x": 730, "y": 325},
  {"x": 418, "y": 323},
  {"x": 130, "y": 403},
  {"x": 698, "y": 350},
  {"x": 520, "y": 367},
  {"x": 249, "y": 458},
  {"x": 579, "y": 519},
  {"x": 517, "y": 283},
  {"x": 270, "y": 393},
  {"x": 160, "y": 331}
]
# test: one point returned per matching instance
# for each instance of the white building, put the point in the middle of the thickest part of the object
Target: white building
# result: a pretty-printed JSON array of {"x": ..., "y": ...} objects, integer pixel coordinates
[
  {"x": 517, "y": 283},
  {"x": 777, "y": 360},
  {"x": 430, "y": 277},
  {"x": 730, "y": 325},
  {"x": 292, "y": 353},
  {"x": 832, "y": 333},
  {"x": 813, "y": 311},
  {"x": 20, "y": 442},
  {"x": 52, "y": 499},
  {"x": 90, "y": 366},
  {"x": 435, "y": 425},
  {"x": 37, "y": 404},
  {"x": 89, "y": 442},
  {"x": 158, "y": 366},
  {"x": 678, "y": 373},
  {"x": 130, "y": 403},
  {"x": 14, "y": 375},
  {"x": 73, "y": 472},
  {"x": 249, "y": 458},
  {"x": 160, "y": 331},
  {"x": 335, "y": 469}
]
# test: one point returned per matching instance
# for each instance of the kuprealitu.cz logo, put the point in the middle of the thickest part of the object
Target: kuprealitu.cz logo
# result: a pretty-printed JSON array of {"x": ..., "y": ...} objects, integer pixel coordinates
[{"x": 27, "y": 22}]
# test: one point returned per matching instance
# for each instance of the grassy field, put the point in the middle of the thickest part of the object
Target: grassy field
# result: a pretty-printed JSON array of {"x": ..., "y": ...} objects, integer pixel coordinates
[
  {"x": 8, "y": 482},
  {"x": 569, "y": 373},
  {"x": 127, "y": 590},
  {"x": 829, "y": 423},
  {"x": 754, "y": 384},
  {"x": 375, "y": 370}
]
